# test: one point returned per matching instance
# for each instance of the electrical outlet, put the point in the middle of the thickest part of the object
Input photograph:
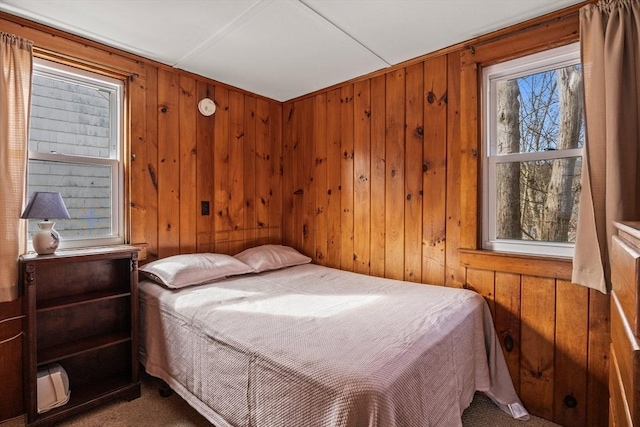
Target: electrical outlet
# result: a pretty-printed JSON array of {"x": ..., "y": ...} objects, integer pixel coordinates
[{"x": 204, "y": 207}]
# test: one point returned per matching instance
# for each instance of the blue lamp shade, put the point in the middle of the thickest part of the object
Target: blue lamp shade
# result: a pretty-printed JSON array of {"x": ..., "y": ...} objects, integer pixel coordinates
[{"x": 46, "y": 206}]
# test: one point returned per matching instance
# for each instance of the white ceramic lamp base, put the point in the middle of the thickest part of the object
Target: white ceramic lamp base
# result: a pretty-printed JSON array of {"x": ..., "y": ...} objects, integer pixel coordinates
[{"x": 46, "y": 239}]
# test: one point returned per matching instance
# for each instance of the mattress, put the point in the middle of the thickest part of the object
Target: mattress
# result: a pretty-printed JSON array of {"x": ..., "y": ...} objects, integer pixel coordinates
[{"x": 314, "y": 346}]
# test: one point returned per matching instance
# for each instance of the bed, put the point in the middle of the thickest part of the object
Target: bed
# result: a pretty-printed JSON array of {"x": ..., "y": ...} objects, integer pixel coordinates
[{"x": 298, "y": 344}]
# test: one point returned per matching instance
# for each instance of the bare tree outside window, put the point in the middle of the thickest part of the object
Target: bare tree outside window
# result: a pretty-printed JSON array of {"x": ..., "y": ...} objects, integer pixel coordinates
[{"x": 535, "y": 154}]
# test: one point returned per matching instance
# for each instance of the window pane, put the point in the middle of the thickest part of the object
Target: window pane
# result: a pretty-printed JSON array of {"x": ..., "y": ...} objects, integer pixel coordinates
[
  {"x": 531, "y": 110},
  {"x": 538, "y": 200},
  {"x": 86, "y": 191},
  {"x": 70, "y": 118}
]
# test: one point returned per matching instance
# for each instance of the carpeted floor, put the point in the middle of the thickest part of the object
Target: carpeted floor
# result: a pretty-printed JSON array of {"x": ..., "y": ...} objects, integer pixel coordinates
[{"x": 153, "y": 410}]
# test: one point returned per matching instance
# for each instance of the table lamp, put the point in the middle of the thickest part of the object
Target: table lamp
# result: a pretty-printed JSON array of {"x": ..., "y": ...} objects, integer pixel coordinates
[{"x": 45, "y": 205}]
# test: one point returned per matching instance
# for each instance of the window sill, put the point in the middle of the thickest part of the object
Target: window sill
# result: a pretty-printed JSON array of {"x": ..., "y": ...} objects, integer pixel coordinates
[{"x": 530, "y": 265}]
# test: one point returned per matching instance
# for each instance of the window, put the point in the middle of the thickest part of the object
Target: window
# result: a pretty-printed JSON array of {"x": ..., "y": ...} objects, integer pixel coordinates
[
  {"x": 75, "y": 147},
  {"x": 534, "y": 134}
]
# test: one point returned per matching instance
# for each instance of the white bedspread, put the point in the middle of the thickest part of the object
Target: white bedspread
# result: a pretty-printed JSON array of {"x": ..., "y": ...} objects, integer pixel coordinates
[{"x": 313, "y": 346}]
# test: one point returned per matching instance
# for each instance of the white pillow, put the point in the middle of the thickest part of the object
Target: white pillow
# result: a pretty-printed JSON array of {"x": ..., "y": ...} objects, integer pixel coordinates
[
  {"x": 271, "y": 257},
  {"x": 179, "y": 271}
]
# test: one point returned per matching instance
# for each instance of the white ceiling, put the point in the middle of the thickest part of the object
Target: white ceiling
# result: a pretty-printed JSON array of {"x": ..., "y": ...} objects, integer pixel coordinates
[{"x": 281, "y": 49}]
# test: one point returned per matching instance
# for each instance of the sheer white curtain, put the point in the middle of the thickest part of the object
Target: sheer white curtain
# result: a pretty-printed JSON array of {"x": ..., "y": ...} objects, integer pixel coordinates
[
  {"x": 610, "y": 44},
  {"x": 16, "y": 63}
]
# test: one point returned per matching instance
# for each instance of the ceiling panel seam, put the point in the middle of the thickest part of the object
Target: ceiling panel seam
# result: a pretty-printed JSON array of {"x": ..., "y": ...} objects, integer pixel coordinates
[
  {"x": 224, "y": 31},
  {"x": 345, "y": 32}
]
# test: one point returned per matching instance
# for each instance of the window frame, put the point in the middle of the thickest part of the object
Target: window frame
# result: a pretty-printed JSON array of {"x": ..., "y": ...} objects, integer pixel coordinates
[
  {"x": 530, "y": 64},
  {"x": 116, "y": 89}
]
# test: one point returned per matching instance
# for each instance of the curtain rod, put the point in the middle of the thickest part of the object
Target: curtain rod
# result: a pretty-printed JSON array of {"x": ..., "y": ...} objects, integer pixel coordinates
[{"x": 81, "y": 63}]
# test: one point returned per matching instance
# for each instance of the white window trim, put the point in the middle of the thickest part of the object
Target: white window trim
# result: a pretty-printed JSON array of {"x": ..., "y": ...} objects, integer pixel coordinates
[
  {"x": 115, "y": 160},
  {"x": 530, "y": 64}
]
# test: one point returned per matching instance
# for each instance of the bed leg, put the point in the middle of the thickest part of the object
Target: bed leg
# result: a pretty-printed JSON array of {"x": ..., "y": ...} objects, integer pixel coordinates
[{"x": 164, "y": 389}]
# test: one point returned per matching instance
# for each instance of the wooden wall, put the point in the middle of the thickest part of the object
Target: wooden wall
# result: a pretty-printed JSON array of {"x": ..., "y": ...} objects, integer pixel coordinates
[
  {"x": 181, "y": 158},
  {"x": 381, "y": 176},
  {"x": 364, "y": 174},
  {"x": 554, "y": 334}
]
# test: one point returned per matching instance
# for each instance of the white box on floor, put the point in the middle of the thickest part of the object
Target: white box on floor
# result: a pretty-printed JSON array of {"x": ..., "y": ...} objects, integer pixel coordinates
[{"x": 53, "y": 387}]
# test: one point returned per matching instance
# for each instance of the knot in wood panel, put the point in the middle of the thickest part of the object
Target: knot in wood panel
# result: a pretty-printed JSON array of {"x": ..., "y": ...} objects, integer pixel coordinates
[
  {"x": 508, "y": 343},
  {"x": 570, "y": 401}
]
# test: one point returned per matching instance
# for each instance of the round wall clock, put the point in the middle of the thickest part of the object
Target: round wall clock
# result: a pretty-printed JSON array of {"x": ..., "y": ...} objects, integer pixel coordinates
[{"x": 206, "y": 106}]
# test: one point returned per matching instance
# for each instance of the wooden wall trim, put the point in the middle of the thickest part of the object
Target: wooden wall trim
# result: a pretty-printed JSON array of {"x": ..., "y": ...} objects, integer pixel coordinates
[
  {"x": 558, "y": 31},
  {"x": 471, "y": 147},
  {"x": 529, "y": 265},
  {"x": 47, "y": 41}
]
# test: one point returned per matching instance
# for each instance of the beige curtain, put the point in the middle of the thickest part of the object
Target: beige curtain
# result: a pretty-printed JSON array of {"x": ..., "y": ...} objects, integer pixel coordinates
[
  {"x": 16, "y": 63},
  {"x": 610, "y": 44}
]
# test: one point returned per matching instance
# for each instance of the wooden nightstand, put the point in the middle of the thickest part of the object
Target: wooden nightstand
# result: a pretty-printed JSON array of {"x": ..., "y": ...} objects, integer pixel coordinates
[{"x": 81, "y": 311}]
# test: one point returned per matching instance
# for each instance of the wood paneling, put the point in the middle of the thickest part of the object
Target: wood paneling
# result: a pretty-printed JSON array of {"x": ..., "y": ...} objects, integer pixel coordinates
[
  {"x": 307, "y": 229},
  {"x": 454, "y": 273},
  {"x": 551, "y": 333},
  {"x": 334, "y": 235},
  {"x": 538, "y": 341},
  {"x": 204, "y": 174},
  {"x": 434, "y": 168},
  {"x": 394, "y": 176},
  {"x": 378, "y": 146},
  {"x": 483, "y": 282},
  {"x": 138, "y": 166},
  {"x": 188, "y": 156},
  {"x": 572, "y": 332},
  {"x": 275, "y": 173},
  {"x": 598, "y": 358},
  {"x": 221, "y": 167},
  {"x": 362, "y": 177},
  {"x": 230, "y": 160},
  {"x": 321, "y": 177},
  {"x": 235, "y": 193},
  {"x": 507, "y": 321},
  {"x": 249, "y": 173},
  {"x": 168, "y": 164},
  {"x": 469, "y": 156},
  {"x": 346, "y": 178},
  {"x": 516, "y": 263},
  {"x": 378, "y": 173},
  {"x": 288, "y": 225},
  {"x": 413, "y": 153},
  {"x": 263, "y": 159},
  {"x": 149, "y": 154}
]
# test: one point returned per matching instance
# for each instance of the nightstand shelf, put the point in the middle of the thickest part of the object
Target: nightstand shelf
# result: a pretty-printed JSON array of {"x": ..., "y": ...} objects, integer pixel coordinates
[
  {"x": 81, "y": 312},
  {"x": 63, "y": 302},
  {"x": 74, "y": 348}
]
